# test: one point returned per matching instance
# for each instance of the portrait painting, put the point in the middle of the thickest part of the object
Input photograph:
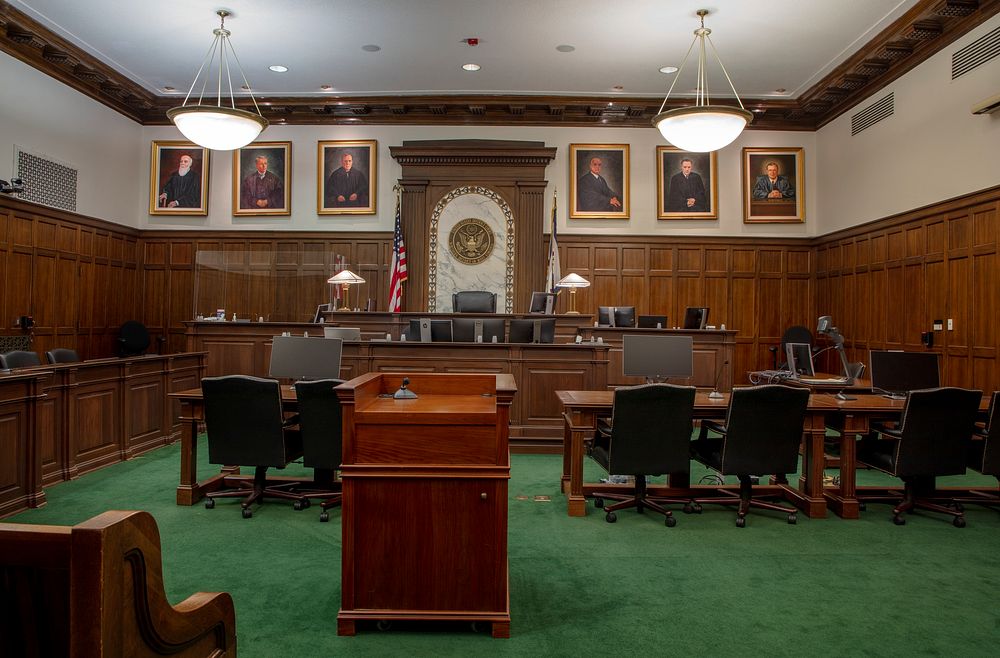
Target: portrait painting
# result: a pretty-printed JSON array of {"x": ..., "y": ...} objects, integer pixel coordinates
[
  {"x": 774, "y": 185},
  {"x": 178, "y": 179},
  {"x": 686, "y": 184},
  {"x": 347, "y": 182},
  {"x": 598, "y": 181},
  {"x": 262, "y": 179}
]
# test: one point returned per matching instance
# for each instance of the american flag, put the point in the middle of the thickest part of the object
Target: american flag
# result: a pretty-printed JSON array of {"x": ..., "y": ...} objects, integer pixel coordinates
[
  {"x": 398, "y": 270},
  {"x": 553, "y": 273}
]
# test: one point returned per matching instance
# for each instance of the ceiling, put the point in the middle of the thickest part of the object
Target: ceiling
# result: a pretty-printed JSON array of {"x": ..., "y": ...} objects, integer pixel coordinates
[{"x": 777, "y": 54}]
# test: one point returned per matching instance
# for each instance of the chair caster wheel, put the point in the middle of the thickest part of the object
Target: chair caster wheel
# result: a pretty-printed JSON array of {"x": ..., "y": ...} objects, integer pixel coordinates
[
  {"x": 210, "y": 503},
  {"x": 959, "y": 522},
  {"x": 688, "y": 508},
  {"x": 670, "y": 522},
  {"x": 247, "y": 512},
  {"x": 324, "y": 516},
  {"x": 898, "y": 520},
  {"x": 383, "y": 624},
  {"x": 959, "y": 507},
  {"x": 697, "y": 508},
  {"x": 863, "y": 507},
  {"x": 741, "y": 522},
  {"x": 792, "y": 519},
  {"x": 298, "y": 506},
  {"x": 610, "y": 517},
  {"x": 598, "y": 503}
]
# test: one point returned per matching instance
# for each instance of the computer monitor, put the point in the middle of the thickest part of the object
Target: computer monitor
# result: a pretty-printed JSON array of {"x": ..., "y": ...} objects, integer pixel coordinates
[
  {"x": 800, "y": 360},
  {"x": 343, "y": 333},
  {"x": 657, "y": 357},
  {"x": 695, "y": 317},
  {"x": 297, "y": 357},
  {"x": 318, "y": 315},
  {"x": 652, "y": 322},
  {"x": 430, "y": 331},
  {"x": 897, "y": 373},
  {"x": 465, "y": 330},
  {"x": 532, "y": 331},
  {"x": 542, "y": 302}
]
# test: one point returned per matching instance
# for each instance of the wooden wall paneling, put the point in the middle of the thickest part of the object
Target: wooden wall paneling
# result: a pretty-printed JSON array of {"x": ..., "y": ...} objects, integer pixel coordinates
[
  {"x": 532, "y": 212},
  {"x": 143, "y": 398},
  {"x": 985, "y": 315}
]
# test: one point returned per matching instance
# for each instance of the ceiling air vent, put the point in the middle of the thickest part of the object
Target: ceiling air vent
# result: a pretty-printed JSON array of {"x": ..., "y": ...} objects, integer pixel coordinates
[
  {"x": 872, "y": 114},
  {"x": 975, "y": 54}
]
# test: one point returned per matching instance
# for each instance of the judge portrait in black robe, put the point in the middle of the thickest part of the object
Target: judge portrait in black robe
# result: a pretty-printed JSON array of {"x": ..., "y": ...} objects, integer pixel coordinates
[
  {"x": 262, "y": 189},
  {"x": 183, "y": 188},
  {"x": 346, "y": 187},
  {"x": 687, "y": 190}
]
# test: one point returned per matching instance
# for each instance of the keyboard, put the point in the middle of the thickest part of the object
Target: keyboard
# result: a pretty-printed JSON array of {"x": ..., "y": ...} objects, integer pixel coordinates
[{"x": 822, "y": 380}]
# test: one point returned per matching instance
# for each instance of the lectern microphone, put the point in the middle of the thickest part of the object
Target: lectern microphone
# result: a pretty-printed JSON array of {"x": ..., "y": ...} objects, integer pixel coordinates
[{"x": 715, "y": 395}]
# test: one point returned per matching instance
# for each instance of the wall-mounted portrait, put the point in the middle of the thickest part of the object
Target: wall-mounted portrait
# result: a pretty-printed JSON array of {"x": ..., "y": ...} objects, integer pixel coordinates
[
  {"x": 178, "y": 179},
  {"x": 262, "y": 179},
  {"x": 347, "y": 182},
  {"x": 686, "y": 184},
  {"x": 598, "y": 181},
  {"x": 774, "y": 185}
]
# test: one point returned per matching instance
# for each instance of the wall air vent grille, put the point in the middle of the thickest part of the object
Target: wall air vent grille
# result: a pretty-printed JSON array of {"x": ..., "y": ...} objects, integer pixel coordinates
[
  {"x": 975, "y": 54},
  {"x": 872, "y": 114},
  {"x": 46, "y": 181}
]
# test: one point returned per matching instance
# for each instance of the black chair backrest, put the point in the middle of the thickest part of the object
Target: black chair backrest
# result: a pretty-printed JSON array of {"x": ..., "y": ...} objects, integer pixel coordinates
[
  {"x": 320, "y": 422},
  {"x": 133, "y": 338},
  {"x": 651, "y": 429},
  {"x": 650, "y": 321},
  {"x": 244, "y": 421},
  {"x": 62, "y": 355},
  {"x": 991, "y": 451},
  {"x": 535, "y": 330},
  {"x": 474, "y": 301},
  {"x": 764, "y": 429},
  {"x": 19, "y": 359},
  {"x": 935, "y": 429}
]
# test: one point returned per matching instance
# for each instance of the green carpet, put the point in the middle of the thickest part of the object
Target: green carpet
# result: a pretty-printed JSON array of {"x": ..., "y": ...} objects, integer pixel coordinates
[{"x": 584, "y": 587}]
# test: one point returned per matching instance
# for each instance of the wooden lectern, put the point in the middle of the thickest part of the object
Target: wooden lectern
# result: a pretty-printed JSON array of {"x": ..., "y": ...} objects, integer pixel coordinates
[{"x": 425, "y": 499}]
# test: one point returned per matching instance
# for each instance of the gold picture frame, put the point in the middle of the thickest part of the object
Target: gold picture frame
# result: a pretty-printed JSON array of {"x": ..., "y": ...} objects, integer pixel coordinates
[
  {"x": 262, "y": 179},
  {"x": 780, "y": 199},
  {"x": 601, "y": 192},
  {"x": 171, "y": 192},
  {"x": 691, "y": 196},
  {"x": 347, "y": 191}
]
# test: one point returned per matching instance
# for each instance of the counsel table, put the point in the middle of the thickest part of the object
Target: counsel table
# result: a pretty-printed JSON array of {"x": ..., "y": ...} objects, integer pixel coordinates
[{"x": 851, "y": 417}]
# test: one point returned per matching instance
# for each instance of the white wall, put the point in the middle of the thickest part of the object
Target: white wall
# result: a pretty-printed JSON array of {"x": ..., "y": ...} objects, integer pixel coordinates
[
  {"x": 933, "y": 148},
  {"x": 42, "y": 115}
]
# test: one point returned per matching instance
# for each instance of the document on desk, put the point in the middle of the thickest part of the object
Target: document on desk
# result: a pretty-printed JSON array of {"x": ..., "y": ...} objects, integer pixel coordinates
[{"x": 822, "y": 380}]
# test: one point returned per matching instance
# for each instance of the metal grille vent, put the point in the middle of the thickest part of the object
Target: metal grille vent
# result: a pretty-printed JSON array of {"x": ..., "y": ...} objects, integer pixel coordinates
[
  {"x": 872, "y": 114},
  {"x": 46, "y": 181},
  {"x": 975, "y": 54}
]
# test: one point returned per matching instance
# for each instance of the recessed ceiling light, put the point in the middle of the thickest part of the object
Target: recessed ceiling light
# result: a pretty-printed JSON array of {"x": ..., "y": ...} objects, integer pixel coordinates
[
  {"x": 278, "y": 68},
  {"x": 565, "y": 48},
  {"x": 781, "y": 90},
  {"x": 471, "y": 67},
  {"x": 371, "y": 48},
  {"x": 245, "y": 87},
  {"x": 668, "y": 69},
  {"x": 169, "y": 89},
  {"x": 326, "y": 87}
]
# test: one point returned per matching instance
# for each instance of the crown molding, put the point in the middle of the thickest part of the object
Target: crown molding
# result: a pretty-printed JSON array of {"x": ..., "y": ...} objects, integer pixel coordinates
[{"x": 928, "y": 27}]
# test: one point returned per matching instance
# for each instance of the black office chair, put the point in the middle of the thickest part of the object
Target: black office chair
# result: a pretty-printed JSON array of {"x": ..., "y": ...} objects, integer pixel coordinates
[
  {"x": 930, "y": 440},
  {"x": 796, "y": 334},
  {"x": 133, "y": 339},
  {"x": 19, "y": 359},
  {"x": 246, "y": 427},
  {"x": 762, "y": 434},
  {"x": 320, "y": 426},
  {"x": 984, "y": 455},
  {"x": 474, "y": 301},
  {"x": 649, "y": 434},
  {"x": 62, "y": 355}
]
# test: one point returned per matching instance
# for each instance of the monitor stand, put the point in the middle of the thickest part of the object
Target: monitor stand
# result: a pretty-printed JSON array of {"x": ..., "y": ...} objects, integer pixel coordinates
[{"x": 893, "y": 396}]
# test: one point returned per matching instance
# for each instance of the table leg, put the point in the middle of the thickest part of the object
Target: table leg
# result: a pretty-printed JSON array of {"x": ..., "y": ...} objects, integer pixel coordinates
[
  {"x": 190, "y": 490},
  {"x": 577, "y": 503},
  {"x": 567, "y": 452},
  {"x": 809, "y": 496},
  {"x": 845, "y": 501}
]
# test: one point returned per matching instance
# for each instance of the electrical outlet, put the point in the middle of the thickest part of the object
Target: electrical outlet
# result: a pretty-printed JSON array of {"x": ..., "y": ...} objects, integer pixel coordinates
[{"x": 951, "y": 325}]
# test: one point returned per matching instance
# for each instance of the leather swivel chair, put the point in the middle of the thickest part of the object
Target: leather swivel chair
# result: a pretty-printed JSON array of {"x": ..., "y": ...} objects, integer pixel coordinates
[
  {"x": 761, "y": 435},
  {"x": 984, "y": 455},
  {"x": 19, "y": 359},
  {"x": 246, "y": 427},
  {"x": 133, "y": 339},
  {"x": 931, "y": 439},
  {"x": 62, "y": 355},
  {"x": 796, "y": 334},
  {"x": 474, "y": 301},
  {"x": 648, "y": 434},
  {"x": 320, "y": 426}
]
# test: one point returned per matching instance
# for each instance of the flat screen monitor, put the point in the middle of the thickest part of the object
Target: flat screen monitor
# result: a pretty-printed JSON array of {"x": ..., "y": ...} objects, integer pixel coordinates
[
  {"x": 695, "y": 317},
  {"x": 343, "y": 333},
  {"x": 652, "y": 322},
  {"x": 297, "y": 357},
  {"x": 800, "y": 359},
  {"x": 430, "y": 331},
  {"x": 897, "y": 373},
  {"x": 532, "y": 331},
  {"x": 542, "y": 302},
  {"x": 318, "y": 315},
  {"x": 657, "y": 357},
  {"x": 465, "y": 330}
]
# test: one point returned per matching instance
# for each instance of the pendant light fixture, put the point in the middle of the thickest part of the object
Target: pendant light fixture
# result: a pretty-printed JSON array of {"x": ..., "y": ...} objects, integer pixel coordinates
[
  {"x": 218, "y": 127},
  {"x": 702, "y": 127}
]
